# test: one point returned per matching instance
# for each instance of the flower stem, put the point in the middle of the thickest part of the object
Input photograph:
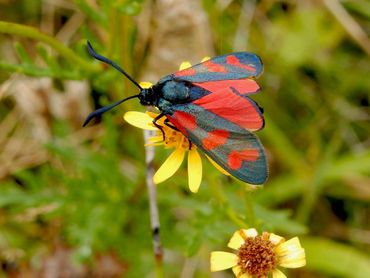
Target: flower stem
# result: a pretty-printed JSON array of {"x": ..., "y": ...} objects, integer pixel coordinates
[
  {"x": 249, "y": 210},
  {"x": 33, "y": 33},
  {"x": 153, "y": 206},
  {"x": 221, "y": 198}
]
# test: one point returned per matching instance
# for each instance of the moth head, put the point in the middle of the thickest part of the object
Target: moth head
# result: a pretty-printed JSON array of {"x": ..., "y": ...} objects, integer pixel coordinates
[{"x": 147, "y": 96}]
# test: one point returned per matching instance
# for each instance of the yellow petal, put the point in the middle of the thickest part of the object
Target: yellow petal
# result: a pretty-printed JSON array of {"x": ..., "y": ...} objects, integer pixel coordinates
[
  {"x": 194, "y": 170},
  {"x": 278, "y": 274},
  {"x": 170, "y": 166},
  {"x": 238, "y": 272},
  {"x": 250, "y": 232},
  {"x": 155, "y": 139},
  {"x": 140, "y": 120},
  {"x": 218, "y": 167},
  {"x": 205, "y": 59},
  {"x": 294, "y": 259},
  {"x": 151, "y": 114},
  {"x": 145, "y": 85},
  {"x": 153, "y": 144},
  {"x": 236, "y": 240},
  {"x": 240, "y": 236},
  {"x": 275, "y": 239},
  {"x": 222, "y": 260},
  {"x": 184, "y": 65},
  {"x": 288, "y": 246}
]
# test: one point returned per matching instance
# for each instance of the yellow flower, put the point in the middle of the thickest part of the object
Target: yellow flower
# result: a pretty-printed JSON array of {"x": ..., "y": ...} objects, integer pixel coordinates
[
  {"x": 173, "y": 139},
  {"x": 259, "y": 255}
]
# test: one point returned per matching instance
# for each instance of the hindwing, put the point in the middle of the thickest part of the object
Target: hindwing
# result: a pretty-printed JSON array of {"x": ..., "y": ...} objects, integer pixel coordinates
[{"x": 233, "y": 147}]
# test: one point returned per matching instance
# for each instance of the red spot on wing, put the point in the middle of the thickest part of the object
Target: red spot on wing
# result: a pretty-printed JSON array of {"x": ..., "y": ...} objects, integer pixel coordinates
[
  {"x": 213, "y": 67},
  {"x": 234, "y": 61},
  {"x": 236, "y": 158},
  {"x": 215, "y": 139},
  {"x": 233, "y": 108},
  {"x": 243, "y": 86},
  {"x": 186, "y": 72},
  {"x": 183, "y": 121}
]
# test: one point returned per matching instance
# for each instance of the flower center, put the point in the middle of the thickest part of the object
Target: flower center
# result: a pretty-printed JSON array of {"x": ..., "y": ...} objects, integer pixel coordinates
[
  {"x": 257, "y": 256},
  {"x": 175, "y": 139}
]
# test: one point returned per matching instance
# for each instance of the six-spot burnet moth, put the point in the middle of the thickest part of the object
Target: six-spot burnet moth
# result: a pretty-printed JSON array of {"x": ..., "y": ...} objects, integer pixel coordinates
[{"x": 209, "y": 103}]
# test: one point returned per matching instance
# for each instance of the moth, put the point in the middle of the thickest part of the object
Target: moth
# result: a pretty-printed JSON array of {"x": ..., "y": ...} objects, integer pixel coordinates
[{"x": 209, "y": 103}]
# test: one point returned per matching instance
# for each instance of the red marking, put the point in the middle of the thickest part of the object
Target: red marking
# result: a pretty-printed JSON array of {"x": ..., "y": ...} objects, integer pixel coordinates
[
  {"x": 233, "y": 108},
  {"x": 234, "y": 61},
  {"x": 186, "y": 72},
  {"x": 183, "y": 121},
  {"x": 235, "y": 159},
  {"x": 243, "y": 86},
  {"x": 213, "y": 67},
  {"x": 215, "y": 139}
]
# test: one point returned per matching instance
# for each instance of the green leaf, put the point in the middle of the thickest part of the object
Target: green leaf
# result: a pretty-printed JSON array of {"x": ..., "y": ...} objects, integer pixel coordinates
[
  {"x": 49, "y": 60},
  {"x": 96, "y": 16},
  {"x": 361, "y": 7},
  {"x": 11, "y": 196},
  {"x": 335, "y": 259},
  {"x": 22, "y": 53},
  {"x": 129, "y": 7},
  {"x": 350, "y": 165},
  {"x": 283, "y": 188},
  {"x": 279, "y": 220}
]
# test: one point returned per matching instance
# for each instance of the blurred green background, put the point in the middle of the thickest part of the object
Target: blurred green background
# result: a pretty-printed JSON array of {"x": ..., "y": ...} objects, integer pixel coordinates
[{"x": 73, "y": 201}]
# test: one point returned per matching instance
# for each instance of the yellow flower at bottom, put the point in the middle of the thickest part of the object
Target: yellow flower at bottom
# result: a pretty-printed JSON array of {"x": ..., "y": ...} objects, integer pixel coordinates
[{"x": 259, "y": 255}]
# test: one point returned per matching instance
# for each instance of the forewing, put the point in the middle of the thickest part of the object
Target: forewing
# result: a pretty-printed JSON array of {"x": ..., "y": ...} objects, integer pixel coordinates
[
  {"x": 232, "y": 66},
  {"x": 234, "y": 148}
]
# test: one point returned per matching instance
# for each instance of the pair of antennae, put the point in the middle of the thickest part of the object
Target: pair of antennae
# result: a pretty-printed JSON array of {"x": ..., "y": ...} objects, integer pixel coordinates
[{"x": 104, "y": 109}]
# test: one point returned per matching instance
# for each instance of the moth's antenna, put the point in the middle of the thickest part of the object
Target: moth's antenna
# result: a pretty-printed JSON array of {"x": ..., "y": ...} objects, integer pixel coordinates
[
  {"x": 104, "y": 109},
  {"x": 109, "y": 62}
]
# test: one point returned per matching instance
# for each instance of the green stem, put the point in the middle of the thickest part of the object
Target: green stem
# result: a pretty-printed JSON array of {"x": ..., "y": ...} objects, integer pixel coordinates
[
  {"x": 251, "y": 217},
  {"x": 220, "y": 197},
  {"x": 230, "y": 212},
  {"x": 33, "y": 33}
]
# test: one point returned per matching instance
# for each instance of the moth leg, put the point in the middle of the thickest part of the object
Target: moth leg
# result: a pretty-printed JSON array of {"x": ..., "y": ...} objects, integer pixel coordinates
[
  {"x": 167, "y": 123},
  {"x": 159, "y": 126}
]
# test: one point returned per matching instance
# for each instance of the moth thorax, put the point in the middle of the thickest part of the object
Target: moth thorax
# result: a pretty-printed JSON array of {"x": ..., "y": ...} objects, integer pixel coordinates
[{"x": 175, "y": 92}]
